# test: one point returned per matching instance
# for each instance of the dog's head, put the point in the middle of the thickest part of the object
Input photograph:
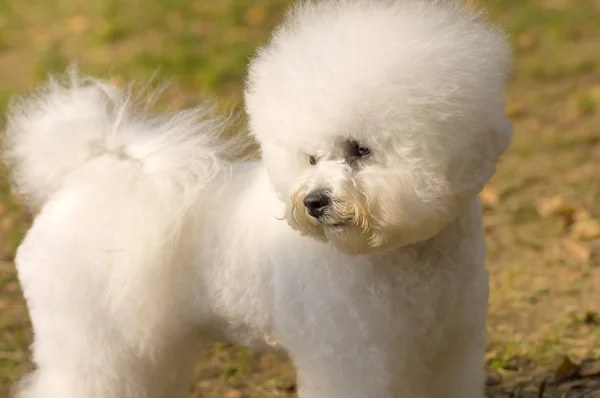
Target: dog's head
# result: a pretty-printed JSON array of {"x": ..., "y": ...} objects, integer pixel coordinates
[{"x": 379, "y": 122}]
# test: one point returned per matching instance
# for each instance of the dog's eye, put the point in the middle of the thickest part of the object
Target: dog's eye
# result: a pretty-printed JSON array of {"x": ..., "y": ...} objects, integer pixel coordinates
[
  {"x": 312, "y": 160},
  {"x": 357, "y": 150}
]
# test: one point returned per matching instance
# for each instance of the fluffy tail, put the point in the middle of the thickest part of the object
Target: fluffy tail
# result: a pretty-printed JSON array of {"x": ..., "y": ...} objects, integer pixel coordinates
[
  {"x": 73, "y": 120},
  {"x": 130, "y": 183}
]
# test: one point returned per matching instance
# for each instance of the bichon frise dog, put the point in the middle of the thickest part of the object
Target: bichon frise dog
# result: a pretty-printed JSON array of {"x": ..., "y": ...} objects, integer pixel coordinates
[{"x": 355, "y": 246}]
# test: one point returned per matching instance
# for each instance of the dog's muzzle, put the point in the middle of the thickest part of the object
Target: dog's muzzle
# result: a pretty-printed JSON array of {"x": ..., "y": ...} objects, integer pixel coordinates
[{"x": 317, "y": 202}]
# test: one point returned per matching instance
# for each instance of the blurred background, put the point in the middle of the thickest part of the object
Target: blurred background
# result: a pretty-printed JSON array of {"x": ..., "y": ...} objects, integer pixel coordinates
[{"x": 542, "y": 210}]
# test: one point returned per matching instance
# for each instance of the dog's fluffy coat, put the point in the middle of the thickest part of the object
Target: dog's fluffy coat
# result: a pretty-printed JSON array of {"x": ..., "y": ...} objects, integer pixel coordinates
[{"x": 147, "y": 241}]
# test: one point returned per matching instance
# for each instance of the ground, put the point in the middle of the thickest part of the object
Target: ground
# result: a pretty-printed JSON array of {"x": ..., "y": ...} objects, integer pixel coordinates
[{"x": 542, "y": 209}]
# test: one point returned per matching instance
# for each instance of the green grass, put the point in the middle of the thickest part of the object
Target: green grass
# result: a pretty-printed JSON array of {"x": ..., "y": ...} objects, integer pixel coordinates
[{"x": 201, "y": 46}]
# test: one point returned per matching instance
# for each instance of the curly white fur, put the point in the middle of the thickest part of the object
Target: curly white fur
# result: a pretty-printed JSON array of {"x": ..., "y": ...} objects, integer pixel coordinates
[
  {"x": 115, "y": 186},
  {"x": 148, "y": 241},
  {"x": 420, "y": 82}
]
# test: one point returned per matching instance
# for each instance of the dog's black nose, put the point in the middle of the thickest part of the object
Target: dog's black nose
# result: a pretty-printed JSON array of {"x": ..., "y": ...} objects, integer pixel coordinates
[{"x": 316, "y": 202}]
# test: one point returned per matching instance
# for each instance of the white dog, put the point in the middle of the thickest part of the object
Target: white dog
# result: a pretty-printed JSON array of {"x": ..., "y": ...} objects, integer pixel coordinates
[{"x": 355, "y": 246}]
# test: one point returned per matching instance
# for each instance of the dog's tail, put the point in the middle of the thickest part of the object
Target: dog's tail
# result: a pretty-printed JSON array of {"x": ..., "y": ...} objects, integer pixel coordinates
[
  {"x": 73, "y": 121},
  {"x": 99, "y": 168}
]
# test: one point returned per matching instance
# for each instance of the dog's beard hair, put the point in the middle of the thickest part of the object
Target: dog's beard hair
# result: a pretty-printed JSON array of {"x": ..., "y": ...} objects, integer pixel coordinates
[
  {"x": 352, "y": 208},
  {"x": 300, "y": 216}
]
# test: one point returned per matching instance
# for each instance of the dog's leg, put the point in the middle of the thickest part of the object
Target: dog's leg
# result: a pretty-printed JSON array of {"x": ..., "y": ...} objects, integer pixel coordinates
[
  {"x": 89, "y": 342},
  {"x": 458, "y": 365},
  {"x": 340, "y": 336},
  {"x": 125, "y": 375},
  {"x": 366, "y": 371},
  {"x": 359, "y": 333},
  {"x": 181, "y": 365},
  {"x": 459, "y": 371},
  {"x": 76, "y": 366},
  {"x": 337, "y": 374}
]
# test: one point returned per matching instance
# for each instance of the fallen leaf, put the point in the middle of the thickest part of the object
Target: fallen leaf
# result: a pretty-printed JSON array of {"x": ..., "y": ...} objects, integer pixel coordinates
[
  {"x": 12, "y": 287},
  {"x": 595, "y": 92},
  {"x": 565, "y": 370},
  {"x": 205, "y": 385},
  {"x": 585, "y": 229},
  {"x": 489, "y": 197},
  {"x": 232, "y": 394},
  {"x": 514, "y": 111},
  {"x": 581, "y": 214},
  {"x": 490, "y": 355},
  {"x": 78, "y": 24},
  {"x": 527, "y": 42},
  {"x": 256, "y": 15},
  {"x": 553, "y": 205},
  {"x": 576, "y": 249}
]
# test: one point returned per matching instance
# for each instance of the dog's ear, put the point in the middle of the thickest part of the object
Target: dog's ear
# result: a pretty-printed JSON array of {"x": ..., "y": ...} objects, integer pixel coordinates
[{"x": 474, "y": 171}]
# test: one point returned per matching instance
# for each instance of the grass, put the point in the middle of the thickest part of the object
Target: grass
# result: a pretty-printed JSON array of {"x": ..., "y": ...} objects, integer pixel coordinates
[{"x": 545, "y": 272}]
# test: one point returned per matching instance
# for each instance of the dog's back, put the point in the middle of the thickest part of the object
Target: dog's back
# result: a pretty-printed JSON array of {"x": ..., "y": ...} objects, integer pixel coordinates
[{"x": 112, "y": 187}]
